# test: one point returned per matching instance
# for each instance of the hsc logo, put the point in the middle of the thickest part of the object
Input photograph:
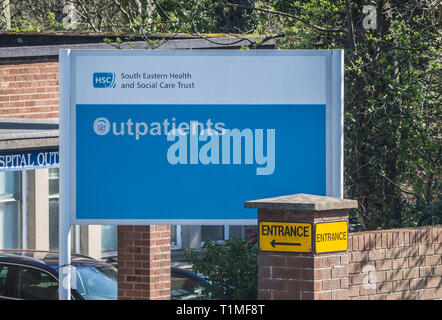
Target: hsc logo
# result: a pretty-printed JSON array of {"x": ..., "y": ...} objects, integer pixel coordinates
[{"x": 104, "y": 80}]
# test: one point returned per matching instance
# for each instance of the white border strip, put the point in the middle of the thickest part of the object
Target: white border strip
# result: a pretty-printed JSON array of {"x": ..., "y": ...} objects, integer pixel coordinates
[
  {"x": 337, "y": 121},
  {"x": 64, "y": 271},
  {"x": 239, "y": 222}
]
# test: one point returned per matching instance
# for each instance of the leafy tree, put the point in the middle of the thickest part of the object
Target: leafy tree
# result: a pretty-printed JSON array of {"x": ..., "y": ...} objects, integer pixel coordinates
[
  {"x": 392, "y": 100},
  {"x": 138, "y": 17},
  {"x": 230, "y": 267}
]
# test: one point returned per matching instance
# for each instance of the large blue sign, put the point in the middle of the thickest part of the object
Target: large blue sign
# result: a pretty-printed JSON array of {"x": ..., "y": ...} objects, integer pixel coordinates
[
  {"x": 186, "y": 137},
  {"x": 195, "y": 161}
]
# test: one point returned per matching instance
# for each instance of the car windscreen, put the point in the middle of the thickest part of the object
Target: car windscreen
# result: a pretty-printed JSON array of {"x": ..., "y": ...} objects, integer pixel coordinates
[
  {"x": 186, "y": 287},
  {"x": 95, "y": 282}
]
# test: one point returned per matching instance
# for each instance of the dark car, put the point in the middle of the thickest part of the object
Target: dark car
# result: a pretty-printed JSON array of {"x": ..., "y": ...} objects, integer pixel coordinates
[
  {"x": 186, "y": 285},
  {"x": 33, "y": 275}
]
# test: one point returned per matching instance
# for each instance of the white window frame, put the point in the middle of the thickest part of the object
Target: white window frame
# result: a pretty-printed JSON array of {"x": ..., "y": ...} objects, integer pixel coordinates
[
  {"x": 226, "y": 234},
  {"x": 21, "y": 205},
  {"x": 178, "y": 245}
]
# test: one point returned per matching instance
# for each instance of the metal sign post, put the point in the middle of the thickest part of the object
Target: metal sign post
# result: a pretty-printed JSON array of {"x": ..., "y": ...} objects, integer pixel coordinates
[{"x": 64, "y": 284}]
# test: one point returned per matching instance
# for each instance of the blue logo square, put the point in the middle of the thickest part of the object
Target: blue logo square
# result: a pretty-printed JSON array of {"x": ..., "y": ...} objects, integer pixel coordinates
[{"x": 104, "y": 80}]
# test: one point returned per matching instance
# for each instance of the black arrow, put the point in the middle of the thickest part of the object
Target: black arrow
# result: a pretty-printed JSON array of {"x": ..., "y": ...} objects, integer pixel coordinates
[{"x": 273, "y": 243}]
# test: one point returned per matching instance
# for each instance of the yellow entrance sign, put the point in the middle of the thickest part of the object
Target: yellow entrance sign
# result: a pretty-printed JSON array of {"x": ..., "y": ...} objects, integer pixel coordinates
[
  {"x": 285, "y": 236},
  {"x": 331, "y": 236}
]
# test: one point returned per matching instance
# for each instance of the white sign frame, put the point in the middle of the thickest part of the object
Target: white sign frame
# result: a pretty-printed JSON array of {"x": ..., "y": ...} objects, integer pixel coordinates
[{"x": 334, "y": 124}]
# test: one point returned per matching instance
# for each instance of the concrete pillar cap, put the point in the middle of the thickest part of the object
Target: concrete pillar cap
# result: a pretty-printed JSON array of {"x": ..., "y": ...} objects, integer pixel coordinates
[{"x": 302, "y": 202}]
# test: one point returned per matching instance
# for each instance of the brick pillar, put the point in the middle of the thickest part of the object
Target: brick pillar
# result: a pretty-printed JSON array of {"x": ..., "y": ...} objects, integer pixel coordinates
[
  {"x": 286, "y": 273},
  {"x": 144, "y": 262}
]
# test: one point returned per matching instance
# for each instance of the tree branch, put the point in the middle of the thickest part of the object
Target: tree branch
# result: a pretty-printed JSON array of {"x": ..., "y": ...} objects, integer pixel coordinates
[{"x": 284, "y": 14}]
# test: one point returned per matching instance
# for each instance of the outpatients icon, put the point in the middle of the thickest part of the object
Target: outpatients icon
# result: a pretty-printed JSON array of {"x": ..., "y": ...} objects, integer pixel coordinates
[{"x": 101, "y": 126}]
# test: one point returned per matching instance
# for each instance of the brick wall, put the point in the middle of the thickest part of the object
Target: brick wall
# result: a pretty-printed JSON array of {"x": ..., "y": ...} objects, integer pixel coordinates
[
  {"x": 250, "y": 232},
  {"x": 400, "y": 264},
  {"x": 29, "y": 88},
  {"x": 144, "y": 262}
]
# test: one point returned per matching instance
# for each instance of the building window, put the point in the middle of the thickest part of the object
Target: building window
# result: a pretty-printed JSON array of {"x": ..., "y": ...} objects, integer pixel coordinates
[
  {"x": 54, "y": 214},
  {"x": 10, "y": 202},
  {"x": 53, "y": 208},
  {"x": 214, "y": 233},
  {"x": 109, "y": 238},
  {"x": 175, "y": 237}
]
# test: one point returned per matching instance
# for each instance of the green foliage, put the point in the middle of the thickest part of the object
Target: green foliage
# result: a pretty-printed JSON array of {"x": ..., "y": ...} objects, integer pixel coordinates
[
  {"x": 31, "y": 16},
  {"x": 139, "y": 17},
  {"x": 392, "y": 103},
  {"x": 230, "y": 267}
]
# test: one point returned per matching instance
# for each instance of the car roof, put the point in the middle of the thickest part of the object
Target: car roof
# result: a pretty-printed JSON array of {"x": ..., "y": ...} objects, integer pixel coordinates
[
  {"x": 44, "y": 257},
  {"x": 50, "y": 259}
]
